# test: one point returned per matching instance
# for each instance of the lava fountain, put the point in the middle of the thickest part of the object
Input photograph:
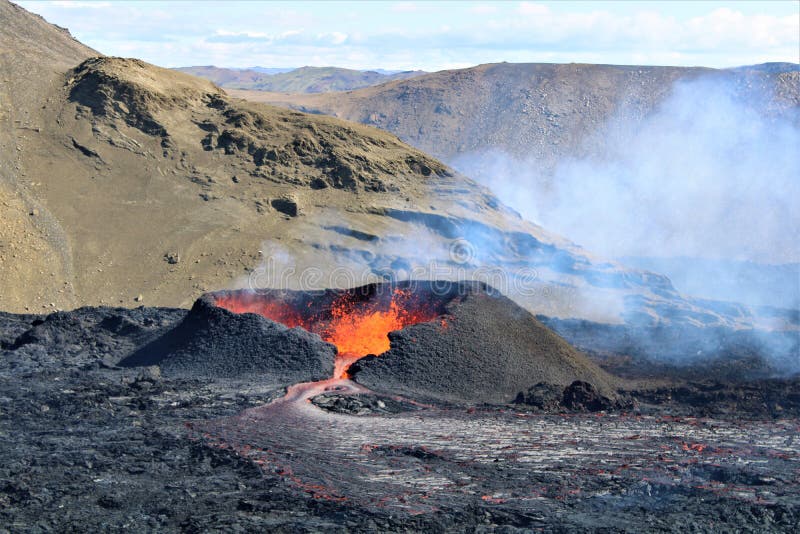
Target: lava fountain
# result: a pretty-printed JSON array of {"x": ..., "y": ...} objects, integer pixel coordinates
[{"x": 357, "y": 322}]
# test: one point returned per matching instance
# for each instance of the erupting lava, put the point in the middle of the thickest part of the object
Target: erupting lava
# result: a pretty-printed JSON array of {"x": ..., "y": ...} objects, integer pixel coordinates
[{"x": 357, "y": 328}]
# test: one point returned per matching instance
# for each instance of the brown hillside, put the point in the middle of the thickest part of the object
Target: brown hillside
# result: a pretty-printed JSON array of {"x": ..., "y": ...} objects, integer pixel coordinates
[
  {"x": 539, "y": 111},
  {"x": 139, "y": 163},
  {"x": 35, "y": 264}
]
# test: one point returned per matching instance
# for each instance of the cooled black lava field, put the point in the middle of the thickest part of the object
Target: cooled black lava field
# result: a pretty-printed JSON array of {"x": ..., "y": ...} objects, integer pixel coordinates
[{"x": 160, "y": 419}]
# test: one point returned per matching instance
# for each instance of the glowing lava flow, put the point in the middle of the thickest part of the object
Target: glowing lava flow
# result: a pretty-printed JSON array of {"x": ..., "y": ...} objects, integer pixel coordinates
[
  {"x": 357, "y": 333},
  {"x": 357, "y": 329}
]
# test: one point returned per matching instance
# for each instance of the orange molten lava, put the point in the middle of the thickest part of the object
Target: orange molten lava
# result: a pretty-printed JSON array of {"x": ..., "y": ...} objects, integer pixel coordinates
[
  {"x": 358, "y": 332},
  {"x": 356, "y": 328},
  {"x": 276, "y": 311},
  {"x": 363, "y": 331}
]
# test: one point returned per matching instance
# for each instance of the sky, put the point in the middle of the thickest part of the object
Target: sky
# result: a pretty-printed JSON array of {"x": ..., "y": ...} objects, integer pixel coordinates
[{"x": 432, "y": 35}]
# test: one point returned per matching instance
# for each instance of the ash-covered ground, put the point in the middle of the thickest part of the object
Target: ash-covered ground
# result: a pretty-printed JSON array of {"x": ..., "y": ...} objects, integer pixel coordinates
[{"x": 86, "y": 444}]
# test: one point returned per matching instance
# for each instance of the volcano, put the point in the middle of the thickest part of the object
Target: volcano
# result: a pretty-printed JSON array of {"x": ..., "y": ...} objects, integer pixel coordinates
[
  {"x": 451, "y": 341},
  {"x": 356, "y": 321}
]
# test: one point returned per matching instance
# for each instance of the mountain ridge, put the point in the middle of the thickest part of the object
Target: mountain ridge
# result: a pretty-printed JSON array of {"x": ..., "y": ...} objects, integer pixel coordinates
[
  {"x": 300, "y": 80},
  {"x": 545, "y": 111}
]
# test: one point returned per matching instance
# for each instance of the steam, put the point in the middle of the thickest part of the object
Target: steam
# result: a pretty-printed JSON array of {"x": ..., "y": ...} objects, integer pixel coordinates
[
  {"x": 705, "y": 189},
  {"x": 709, "y": 174}
]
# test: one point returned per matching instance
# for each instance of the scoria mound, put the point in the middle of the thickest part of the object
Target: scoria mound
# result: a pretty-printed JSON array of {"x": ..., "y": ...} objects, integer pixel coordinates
[{"x": 450, "y": 341}]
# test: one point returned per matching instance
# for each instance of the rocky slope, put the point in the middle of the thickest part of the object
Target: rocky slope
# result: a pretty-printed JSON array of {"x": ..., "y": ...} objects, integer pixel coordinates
[
  {"x": 302, "y": 80},
  {"x": 35, "y": 263},
  {"x": 126, "y": 183}
]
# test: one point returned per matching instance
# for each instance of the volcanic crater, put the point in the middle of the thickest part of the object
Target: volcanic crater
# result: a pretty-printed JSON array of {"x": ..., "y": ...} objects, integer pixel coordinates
[{"x": 438, "y": 340}]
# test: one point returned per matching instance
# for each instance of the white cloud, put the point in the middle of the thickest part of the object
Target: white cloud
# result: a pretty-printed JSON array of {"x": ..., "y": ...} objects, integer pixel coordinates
[
  {"x": 396, "y": 35},
  {"x": 483, "y": 9},
  {"x": 243, "y": 33},
  {"x": 724, "y": 26},
  {"x": 529, "y": 8},
  {"x": 75, "y": 4},
  {"x": 405, "y": 7},
  {"x": 336, "y": 38},
  {"x": 254, "y": 36}
]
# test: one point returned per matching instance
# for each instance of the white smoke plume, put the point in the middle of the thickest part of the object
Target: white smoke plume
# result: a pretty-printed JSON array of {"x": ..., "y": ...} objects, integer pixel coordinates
[{"x": 709, "y": 174}]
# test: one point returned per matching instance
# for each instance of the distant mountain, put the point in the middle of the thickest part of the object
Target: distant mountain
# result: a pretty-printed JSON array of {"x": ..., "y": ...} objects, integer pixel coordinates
[
  {"x": 226, "y": 77},
  {"x": 774, "y": 68},
  {"x": 302, "y": 80},
  {"x": 271, "y": 70},
  {"x": 390, "y": 72},
  {"x": 747, "y": 282},
  {"x": 633, "y": 157}
]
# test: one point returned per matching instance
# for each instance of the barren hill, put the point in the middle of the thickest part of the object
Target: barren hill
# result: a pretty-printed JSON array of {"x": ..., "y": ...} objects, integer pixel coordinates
[
  {"x": 125, "y": 183},
  {"x": 35, "y": 264},
  {"x": 302, "y": 80},
  {"x": 539, "y": 111}
]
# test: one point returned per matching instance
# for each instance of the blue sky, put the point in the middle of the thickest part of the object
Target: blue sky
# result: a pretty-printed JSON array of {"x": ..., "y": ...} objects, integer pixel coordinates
[{"x": 432, "y": 35}]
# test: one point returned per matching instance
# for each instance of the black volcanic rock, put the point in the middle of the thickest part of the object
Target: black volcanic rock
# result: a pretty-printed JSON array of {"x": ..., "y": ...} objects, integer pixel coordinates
[
  {"x": 579, "y": 396},
  {"x": 543, "y": 396},
  {"x": 215, "y": 342},
  {"x": 99, "y": 447},
  {"x": 80, "y": 338},
  {"x": 583, "y": 396},
  {"x": 485, "y": 348},
  {"x": 689, "y": 352}
]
